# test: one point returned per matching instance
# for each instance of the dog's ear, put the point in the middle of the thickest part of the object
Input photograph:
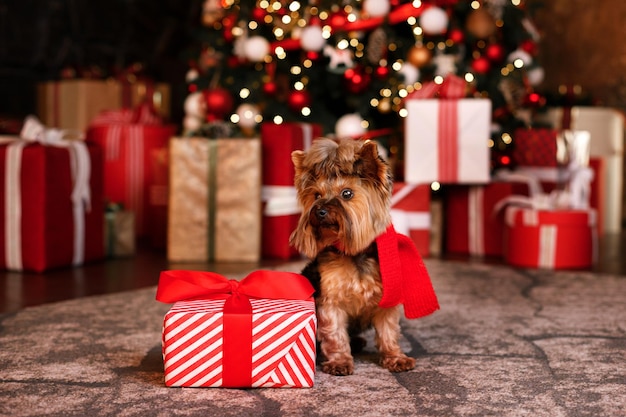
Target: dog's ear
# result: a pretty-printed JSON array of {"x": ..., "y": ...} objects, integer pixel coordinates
[{"x": 297, "y": 157}]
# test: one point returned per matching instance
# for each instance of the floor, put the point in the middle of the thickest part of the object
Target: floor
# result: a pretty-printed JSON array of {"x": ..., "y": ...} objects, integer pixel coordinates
[{"x": 19, "y": 290}]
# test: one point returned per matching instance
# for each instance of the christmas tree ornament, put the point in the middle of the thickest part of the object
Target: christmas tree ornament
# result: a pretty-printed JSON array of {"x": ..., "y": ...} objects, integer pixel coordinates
[
  {"x": 219, "y": 102},
  {"x": 381, "y": 72},
  {"x": 456, "y": 35},
  {"x": 480, "y": 23},
  {"x": 298, "y": 99},
  {"x": 445, "y": 64},
  {"x": 312, "y": 38},
  {"x": 434, "y": 21},
  {"x": 376, "y": 46},
  {"x": 212, "y": 12},
  {"x": 340, "y": 59},
  {"x": 419, "y": 56},
  {"x": 248, "y": 115},
  {"x": 535, "y": 76},
  {"x": 384, "y": 105},
  {"x": 495, "y": 52},
  {"x": 195, "y": 105},
  {"x": 356, "y": 80},
  {"x": 258, "y": 14},
  {"x": 529, "y": 46},
  {"x": 410, "y": 73},
  {"x": 256, "y": 48},
  {"x": 481, "y": 65},
  {"x": 192, "y": 75},
  {"x": 520, "y": 55},
  {"x": 350, "y": 125},
  {"x": 270, "y": 88},
  {"x": 376, "y": 8}
]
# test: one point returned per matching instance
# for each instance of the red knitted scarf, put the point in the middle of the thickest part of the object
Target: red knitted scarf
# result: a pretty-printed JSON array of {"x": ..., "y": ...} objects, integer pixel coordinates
[{"x": 405, "y": 278}]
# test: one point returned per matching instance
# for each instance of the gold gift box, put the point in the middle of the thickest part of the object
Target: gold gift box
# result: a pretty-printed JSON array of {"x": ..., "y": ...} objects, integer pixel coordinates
[
  {"x": 72, "y": 104},
  {"x": 214, "y": 210}
]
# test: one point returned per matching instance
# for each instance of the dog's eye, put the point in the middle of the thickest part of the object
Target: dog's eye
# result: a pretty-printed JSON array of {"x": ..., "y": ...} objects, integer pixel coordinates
[{"x": 347, "y": 194}]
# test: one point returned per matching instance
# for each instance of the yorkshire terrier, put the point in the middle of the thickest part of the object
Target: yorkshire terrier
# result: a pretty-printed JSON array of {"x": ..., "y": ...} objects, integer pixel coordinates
[{"x": 344, "y": 188}]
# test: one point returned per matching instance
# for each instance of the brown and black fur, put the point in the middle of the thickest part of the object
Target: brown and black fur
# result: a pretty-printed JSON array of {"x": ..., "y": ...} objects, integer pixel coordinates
[{"x": 344, "y": 188}]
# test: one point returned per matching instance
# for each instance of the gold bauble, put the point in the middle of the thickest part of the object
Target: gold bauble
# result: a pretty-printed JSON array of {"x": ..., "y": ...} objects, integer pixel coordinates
[
  {"x": 419, "y": 55},
  {"x": 384, "y": 105},
  {"x": 481, "y": 23}
]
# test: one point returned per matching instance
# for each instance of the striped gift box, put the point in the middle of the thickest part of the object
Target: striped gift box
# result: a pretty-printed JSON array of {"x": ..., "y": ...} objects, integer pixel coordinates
[{"x": 204, "y": 347}]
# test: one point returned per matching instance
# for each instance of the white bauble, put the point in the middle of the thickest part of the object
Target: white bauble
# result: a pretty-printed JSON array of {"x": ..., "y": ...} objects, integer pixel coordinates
[
  {"x": 191, "y": 124},
  {"x": 312, "y": 39},
  {"x": 256, "y": 48},
  {"x": 526, "y": 58},
  {"x": 410, "y": 73},
  {"x": 434, "y": 21},
  {"x": 195, "y": 105},
  {"x": 248, "y": 114},
  {"x": 350, "y": 125},
  {"x": 535, "y": 76},
  {"x": 192, "y": 75},
  {"x": 376, "y": 8}
]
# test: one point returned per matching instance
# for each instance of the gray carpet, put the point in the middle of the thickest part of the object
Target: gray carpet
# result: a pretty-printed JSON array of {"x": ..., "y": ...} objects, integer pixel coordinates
[{"x": 505, "y": 343}]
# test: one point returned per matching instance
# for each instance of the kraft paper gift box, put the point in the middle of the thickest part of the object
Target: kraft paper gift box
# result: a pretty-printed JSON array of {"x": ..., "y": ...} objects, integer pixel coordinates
[
  {"x": 50, "y": 200},
  {"x": 73, "y": 104},
  {"x": 550, "y": 239},
  {"x": 258, "y": 332},
  {"x": 606, "y": 127},
  {"x": 474, "y": 225},
  {"x": 280, "y": 208},
  {"x": 214, "y": 210},
  {"x": 446, "y": 140},
  {"x": 411, "y": 214},
  {"x": 129, "y": 137}
]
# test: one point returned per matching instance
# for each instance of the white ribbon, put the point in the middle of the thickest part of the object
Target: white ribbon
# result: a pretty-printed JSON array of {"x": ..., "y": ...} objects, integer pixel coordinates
[
  {"x": 405, "y": 221},
  {"x": 34, "y": 131},
  {"x": 280, "y": 200}
]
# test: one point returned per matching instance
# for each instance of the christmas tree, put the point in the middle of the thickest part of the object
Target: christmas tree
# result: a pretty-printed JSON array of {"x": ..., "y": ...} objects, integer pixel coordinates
[{"x": 350, "y": 65}]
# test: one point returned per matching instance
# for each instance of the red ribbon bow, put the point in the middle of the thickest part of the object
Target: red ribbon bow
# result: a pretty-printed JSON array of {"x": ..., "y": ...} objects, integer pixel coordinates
[
  {"x": 181, "y": 285},
  {"x": 452, "y": 87}
]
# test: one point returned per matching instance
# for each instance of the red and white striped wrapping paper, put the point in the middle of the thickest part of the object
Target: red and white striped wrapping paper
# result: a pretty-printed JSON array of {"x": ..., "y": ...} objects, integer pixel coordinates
[
  {"x": 550, "y": 239},
  {"x": 283, "y": 343},
  {"x": 410, "y": 213}
]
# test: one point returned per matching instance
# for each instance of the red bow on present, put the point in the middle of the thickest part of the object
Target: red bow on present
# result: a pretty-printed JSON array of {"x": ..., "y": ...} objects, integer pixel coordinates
[
  {"x": 181, "y": 285},
  {"x": 452, "y": 87}
]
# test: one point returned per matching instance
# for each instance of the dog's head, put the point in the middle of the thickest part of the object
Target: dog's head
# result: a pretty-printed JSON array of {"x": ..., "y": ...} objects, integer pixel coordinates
[{"x": 344, "y": 188}]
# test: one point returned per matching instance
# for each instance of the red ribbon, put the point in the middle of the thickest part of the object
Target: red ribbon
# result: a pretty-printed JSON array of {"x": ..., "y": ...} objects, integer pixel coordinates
[
  {"x": 179, "y": 285},
  {"x": 452, "y": 89}
]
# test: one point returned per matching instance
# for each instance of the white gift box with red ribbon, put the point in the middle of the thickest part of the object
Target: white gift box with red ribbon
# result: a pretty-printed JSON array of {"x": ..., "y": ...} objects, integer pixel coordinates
[{"x": 446, "y": 139}]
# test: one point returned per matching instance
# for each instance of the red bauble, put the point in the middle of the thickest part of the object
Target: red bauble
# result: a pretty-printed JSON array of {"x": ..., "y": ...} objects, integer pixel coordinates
[
  {"x": 382, "y": 72},
  {"x": 312, "y": 55},
  {"x": 529, "y": 46},
  {"x": 481, "y": 65},
  {"x": 258, "y": 14},
  {"x": 219, "y": 102},
  {"x": 337, "y": 19},
  {"x": 356, "y": 80},
  {"x": 270, "y": 88},
  {"x": 534, "y": 100},
  {"x": 456, "y": 35},
  {"x": 495, "y": 52},
  {"x": 298, "y": 100}
]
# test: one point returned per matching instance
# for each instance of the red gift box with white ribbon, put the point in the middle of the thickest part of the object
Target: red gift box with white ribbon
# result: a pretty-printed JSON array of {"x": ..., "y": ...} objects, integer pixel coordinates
[
  {"x": 257, "y": 332},
  {"x": 280, "y": 208},
  {"x": 410, "y": 213},
  {"x": 129, "y": 138},
  {"x": 473, "y": 225},
  {"x": 446, "y": 138},
  {"x": 50, "y": 200},
  {"x": 550, "y": 239}
]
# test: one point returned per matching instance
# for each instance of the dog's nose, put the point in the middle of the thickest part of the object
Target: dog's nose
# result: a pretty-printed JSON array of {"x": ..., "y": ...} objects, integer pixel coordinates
[{"x": 321, "y": 213}]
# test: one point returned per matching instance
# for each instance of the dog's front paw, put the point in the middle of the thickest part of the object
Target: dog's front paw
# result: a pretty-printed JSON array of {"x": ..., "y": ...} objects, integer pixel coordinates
[
  {"x": 338, "y": 368},
  {"x": 397, "y": 363}
]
